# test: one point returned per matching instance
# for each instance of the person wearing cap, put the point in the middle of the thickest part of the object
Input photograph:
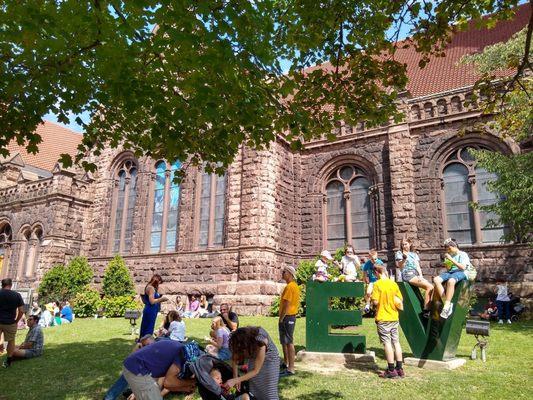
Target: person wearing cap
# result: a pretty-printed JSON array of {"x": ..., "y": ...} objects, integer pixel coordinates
[
  {"x": 121, "y": 384},
  {"x": 288, "y": 308},
  {"x": 321, "y": 265},
  {"x": 456, "y": 261},
  {"x": 388, "y": 301}
]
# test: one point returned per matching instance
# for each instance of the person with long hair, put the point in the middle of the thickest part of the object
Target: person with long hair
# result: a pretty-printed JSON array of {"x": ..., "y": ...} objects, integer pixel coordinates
[
  {"x": 408, "y": 262},
  {"x": 152, "y": 305},
  {"x": 255, "y": 345}
]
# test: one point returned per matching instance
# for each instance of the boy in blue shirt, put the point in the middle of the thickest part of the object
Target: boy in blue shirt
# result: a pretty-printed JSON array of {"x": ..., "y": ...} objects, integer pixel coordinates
[{"x": 370, "y": 276}]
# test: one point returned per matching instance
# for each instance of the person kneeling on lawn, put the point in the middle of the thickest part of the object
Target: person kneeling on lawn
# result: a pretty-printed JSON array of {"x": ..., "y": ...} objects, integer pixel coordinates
[
  {"x": 164, "y": 359},
  {"x": 387, "y": 299},
  {"x": 34, "y": 343}
]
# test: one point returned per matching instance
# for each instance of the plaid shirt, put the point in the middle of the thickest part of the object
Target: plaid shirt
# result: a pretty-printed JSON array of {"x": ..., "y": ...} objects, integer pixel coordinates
[{"x": 35, "y": 336}]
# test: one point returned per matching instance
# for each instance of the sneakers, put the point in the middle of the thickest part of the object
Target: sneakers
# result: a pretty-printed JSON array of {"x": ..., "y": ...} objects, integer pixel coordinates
[
  {"x": 367, "y": 309},
  {"x": 390, "y": 374},
  {"x": 500, "y": 321},
  {"x": 426, "y": 314},
  {"x": 400, "y": 372},
  {"x": 509, "y": 321},
  {"x": 5, "y": 364},
  {"x": 446, "y": 311},
  {"x": 286, "y": 372}
]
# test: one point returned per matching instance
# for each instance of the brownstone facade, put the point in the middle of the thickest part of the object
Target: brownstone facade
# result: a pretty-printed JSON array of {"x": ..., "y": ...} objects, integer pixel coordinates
[{"x": 274, "y": 209}]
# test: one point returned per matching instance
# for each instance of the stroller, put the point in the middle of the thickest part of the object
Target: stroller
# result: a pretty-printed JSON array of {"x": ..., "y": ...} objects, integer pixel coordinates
[
  {"x": 517, "y": 308},
  {"x": 207, "y": 387}
]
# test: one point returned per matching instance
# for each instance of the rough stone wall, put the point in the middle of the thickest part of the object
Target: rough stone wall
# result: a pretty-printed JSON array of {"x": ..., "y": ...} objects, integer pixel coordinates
[
  {"x": 59, "y": 207},
  {"x": 317, "y": 162}
]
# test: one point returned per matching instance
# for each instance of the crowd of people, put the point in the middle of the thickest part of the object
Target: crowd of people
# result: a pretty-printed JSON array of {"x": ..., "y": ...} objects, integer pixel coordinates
[{"x": 163, "y": 358}]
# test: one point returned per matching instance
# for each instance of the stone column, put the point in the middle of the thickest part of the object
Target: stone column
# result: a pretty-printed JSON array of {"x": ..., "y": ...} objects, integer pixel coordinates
[{"x": 402, "y": 188}]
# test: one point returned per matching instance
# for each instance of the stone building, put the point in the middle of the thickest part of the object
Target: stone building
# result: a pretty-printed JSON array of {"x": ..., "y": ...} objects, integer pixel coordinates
[{"x": 229, "y": 236}]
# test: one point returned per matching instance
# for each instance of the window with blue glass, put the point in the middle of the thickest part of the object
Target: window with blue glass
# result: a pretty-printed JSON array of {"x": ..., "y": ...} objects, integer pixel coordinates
[
  {"x": 212, "y": 208},
  {"x": 164, "y": 230},
  {"x": 125, "y": 195}
]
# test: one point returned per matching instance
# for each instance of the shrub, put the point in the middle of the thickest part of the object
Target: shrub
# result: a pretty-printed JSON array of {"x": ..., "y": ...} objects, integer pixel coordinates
[
  {"x": 80, "y": 274},
  {"x": 117, "y": 279},
  {"x": 86, "y": 302},
  {"x": 116, "y": 306},
  {"x": 54, "y": 285}
]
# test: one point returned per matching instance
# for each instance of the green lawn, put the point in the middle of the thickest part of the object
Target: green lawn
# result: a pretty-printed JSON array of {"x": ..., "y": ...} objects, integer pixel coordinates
[{"x": 83, "y": 359}]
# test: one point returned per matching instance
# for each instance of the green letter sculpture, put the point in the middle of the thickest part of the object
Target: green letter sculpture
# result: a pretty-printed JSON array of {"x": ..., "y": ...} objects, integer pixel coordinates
[
  {"x": 434, "y": 338},
  {"x": 320, "y": 318}
]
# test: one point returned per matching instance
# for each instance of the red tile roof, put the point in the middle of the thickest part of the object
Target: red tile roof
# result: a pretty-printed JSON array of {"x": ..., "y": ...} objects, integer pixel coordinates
[
  {"x": 442, "y": 74},
  {"x": 56, "y": 140}
]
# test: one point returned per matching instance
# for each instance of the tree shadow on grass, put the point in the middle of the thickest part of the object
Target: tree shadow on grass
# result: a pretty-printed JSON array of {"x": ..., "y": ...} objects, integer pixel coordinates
[{"x": 67, "y": 371}]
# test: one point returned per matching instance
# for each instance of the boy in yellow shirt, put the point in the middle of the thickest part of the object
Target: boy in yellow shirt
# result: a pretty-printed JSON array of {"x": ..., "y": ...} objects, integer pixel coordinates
[
  {"x": 288, "y": 308},
  {"x": 387, "y": 299}
]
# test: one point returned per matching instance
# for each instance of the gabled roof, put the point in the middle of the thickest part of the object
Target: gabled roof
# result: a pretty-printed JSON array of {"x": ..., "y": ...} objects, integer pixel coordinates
[
  {"x": 56, "y": 140},
  {"x": 443, "y": 74}
]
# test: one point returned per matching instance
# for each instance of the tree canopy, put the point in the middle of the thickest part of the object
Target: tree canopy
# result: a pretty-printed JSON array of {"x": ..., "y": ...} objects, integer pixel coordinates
[{"x": 193, "y": 80}]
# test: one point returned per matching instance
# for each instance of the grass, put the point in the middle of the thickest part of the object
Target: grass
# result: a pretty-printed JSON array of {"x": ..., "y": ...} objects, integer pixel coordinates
[{"x": 83, "y": 359}]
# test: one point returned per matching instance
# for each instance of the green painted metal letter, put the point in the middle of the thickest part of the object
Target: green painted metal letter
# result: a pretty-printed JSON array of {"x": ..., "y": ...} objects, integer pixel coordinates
[{"x": 320, "y": 318}]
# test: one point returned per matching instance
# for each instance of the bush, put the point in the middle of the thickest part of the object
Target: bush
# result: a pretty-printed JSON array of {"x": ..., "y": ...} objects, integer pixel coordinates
[
  {"x": 117, "y": 279},
  {"x": 80, "y": 274},
  {"x": 86, "y": 302},
  {"x": 116, "y": 306},
  {"x": 54, "y": 285},
  {"x": 305, "y": 271}
]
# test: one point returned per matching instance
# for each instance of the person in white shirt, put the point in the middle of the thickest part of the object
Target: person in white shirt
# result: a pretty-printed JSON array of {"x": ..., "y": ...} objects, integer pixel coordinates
[
  {"x": 349, "y": 264},
  {"x": 503, "y": 302},
  {"x": 321, "y": 265}
]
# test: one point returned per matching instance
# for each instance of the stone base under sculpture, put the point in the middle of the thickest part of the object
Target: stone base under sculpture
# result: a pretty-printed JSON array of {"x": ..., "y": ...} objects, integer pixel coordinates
[
  {"x": 435, "y": 365},
  {"x": 347, "y": 360}
]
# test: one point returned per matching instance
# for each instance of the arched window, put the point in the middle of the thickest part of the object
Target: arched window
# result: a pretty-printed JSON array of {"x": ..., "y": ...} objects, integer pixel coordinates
[
  {"x": 463, "y": 183},
  {"x": 348, "y": 210},
  {"x": 211, "y": 212},
  {"x": 6, "y": 237},
  {"x": 124, "y": 206},
  {"x": 163, "y": 234},
  {"x": 33, "y": 251}
]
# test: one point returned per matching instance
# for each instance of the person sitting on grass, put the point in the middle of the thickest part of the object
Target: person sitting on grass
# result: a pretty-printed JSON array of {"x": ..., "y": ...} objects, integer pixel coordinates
[
  {"x": 46, "y": 318},
  {"x": 176, "y": 327},
  {"x": 219, "y": 340},
  {"x": 66, "y": 314},
  {"x": 33, "y": 345},
  {"x": 230, "y": 318},
  {"x": 409, "y": 264},
  {"x": 121, "y": 385},
  {"x": 194, "y": 305},
  {"x": 387, "y": 300},
  {"x": 456, "y": 262},
  {"x": 369, "y": 275}
]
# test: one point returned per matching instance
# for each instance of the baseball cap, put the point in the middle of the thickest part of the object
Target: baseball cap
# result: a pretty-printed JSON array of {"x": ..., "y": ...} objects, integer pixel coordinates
[{"x": 290, "y": 270}]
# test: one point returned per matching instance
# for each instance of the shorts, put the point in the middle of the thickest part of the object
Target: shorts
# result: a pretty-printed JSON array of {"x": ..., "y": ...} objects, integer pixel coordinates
[
  {"x": 224, "y": 354},
  {"x": 9, "y": 331},
  {"x": 28, "y": 353},
  {"x": 286, "y": 329},
  {"x": 388, "y": 331},
  {"x": 458, "y": 275},
  {"x": 408, "y": 274}
]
